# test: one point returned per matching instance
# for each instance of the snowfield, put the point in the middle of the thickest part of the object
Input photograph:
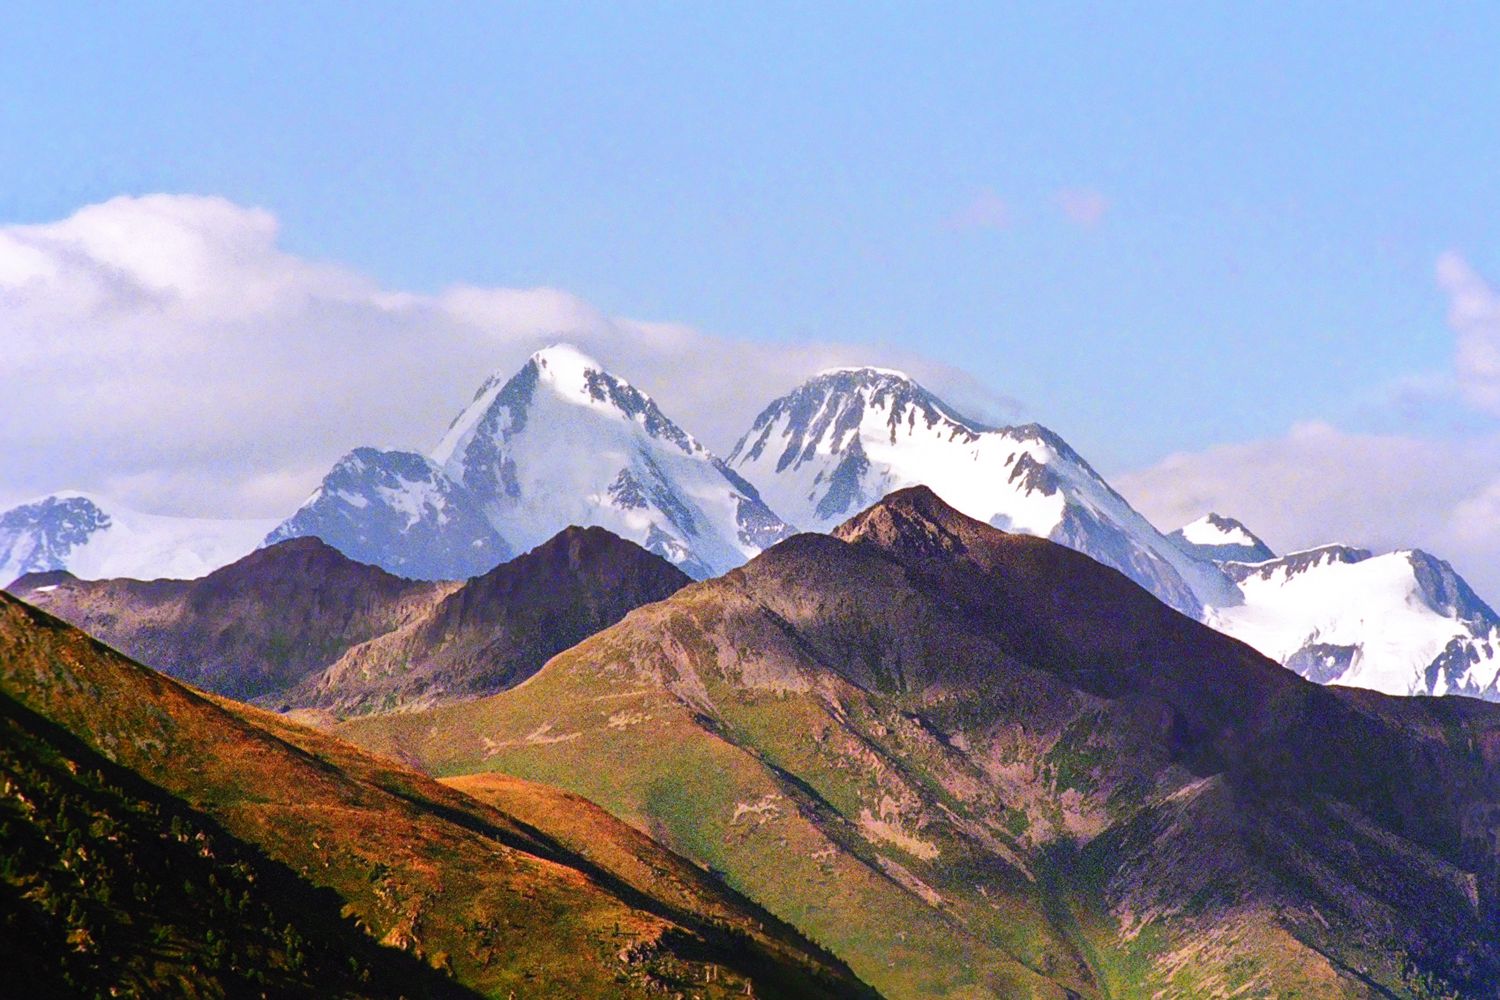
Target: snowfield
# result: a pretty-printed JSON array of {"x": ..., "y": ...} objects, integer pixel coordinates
[
  {"x": 96, "y": 538},
  {"x": 1400, "y": 623}
]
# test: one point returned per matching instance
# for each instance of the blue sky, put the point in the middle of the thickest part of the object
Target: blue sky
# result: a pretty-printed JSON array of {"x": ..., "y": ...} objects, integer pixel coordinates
[
  {"x": 1163, "y": 229},
  {"x": 1277, "y": 185}
]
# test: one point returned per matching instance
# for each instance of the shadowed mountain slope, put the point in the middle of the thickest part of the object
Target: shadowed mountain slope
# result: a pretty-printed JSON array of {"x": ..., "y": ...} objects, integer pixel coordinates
[
  {"x": 108, "y": 883},
  {"x": 975, "y": 764},
  {"x": 497, "y": 904},
  {"x": 299, "y": 625},
  {"x": 251, "y": 629},
  {"x": 497, "y": 629}
]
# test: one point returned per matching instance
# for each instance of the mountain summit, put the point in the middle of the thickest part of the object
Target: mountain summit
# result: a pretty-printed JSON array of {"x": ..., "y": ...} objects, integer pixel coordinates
[
  {"x": 1221, "y": 539},
  {"x": 561, "y": 442},
  {"x": 849, "y": 436}
]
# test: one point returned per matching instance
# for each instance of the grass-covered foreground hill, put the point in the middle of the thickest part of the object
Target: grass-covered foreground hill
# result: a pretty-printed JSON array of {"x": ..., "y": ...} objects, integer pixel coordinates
[
  {"x": 157, "y": 841},
  {"x": 980, "y": 765}
]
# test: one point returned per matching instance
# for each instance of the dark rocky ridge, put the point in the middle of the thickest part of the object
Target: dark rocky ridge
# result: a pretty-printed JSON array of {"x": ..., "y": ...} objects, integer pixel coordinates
[
  {"x": 300, "y": 625},
  {"x": 251, "y": 629},
  {"x": 497, "y": 629}
]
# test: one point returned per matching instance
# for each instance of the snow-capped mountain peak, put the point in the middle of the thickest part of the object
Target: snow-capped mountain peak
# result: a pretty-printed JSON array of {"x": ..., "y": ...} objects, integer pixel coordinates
[
  {"x": 94, "y": 537},
  {"x": 865, "y": 370},
  {"x": 1221, "y": 539},
  {"x": 849, "y": 436},
  {"x": 565, "y": 441},
  {"x": 1402, "y": 622},
  {"x": 823, "y": 413},
  {"x": 399, "y": 511},
  {"x": 571, "y": 377}
]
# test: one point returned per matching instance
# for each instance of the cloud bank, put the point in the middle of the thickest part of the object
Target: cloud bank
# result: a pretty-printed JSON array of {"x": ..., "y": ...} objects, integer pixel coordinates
[
  {"x": 167, "y": 351},
  {"x": 1474, "y": 315},
  {"x": 1318, "y": 483}
]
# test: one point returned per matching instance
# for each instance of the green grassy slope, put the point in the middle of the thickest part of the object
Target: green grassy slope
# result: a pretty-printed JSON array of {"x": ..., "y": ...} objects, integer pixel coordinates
[
  {"x": 494, "y": 903},
  {"x": 977, "y": 765},
  {"x": 112, "y": 886}
]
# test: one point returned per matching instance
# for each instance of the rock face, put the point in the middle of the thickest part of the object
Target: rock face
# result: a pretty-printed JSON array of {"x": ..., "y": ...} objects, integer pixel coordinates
[
  {"x": 300, "y": 625},
  {"x": 849, "y": 437},
  {"x": 979, "y": 764},
  {"x": 93, "y": 537},
  {"x": 397, "y": 510},
  {"x": 162, "y": 843}
]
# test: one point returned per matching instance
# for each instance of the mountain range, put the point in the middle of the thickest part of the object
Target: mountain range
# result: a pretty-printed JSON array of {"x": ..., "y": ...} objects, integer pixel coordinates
[
  {"x": 916, "y": 752},
  {"x": 300, "y": 625},
  {"x": 979, "y": 764},
  {"x": 563, "y": 441},
  {"x": 560, "y": 442}
]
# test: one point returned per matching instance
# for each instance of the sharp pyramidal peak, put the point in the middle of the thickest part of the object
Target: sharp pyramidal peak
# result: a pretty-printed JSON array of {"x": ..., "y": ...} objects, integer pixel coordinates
[
  {"x": 850, "y": 436},
  {"x": 561, "y": 441}
]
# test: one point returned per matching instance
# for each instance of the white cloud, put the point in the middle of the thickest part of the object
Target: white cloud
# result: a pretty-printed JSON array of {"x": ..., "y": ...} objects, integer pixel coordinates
[
  {"x": 1474, "y": 315},
  {"x": 1083, "y": 206},
  {"x": 986, "y": 210},
  {"x": 1318, "y": 484},
  {"x": 165, "y": 350}
]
